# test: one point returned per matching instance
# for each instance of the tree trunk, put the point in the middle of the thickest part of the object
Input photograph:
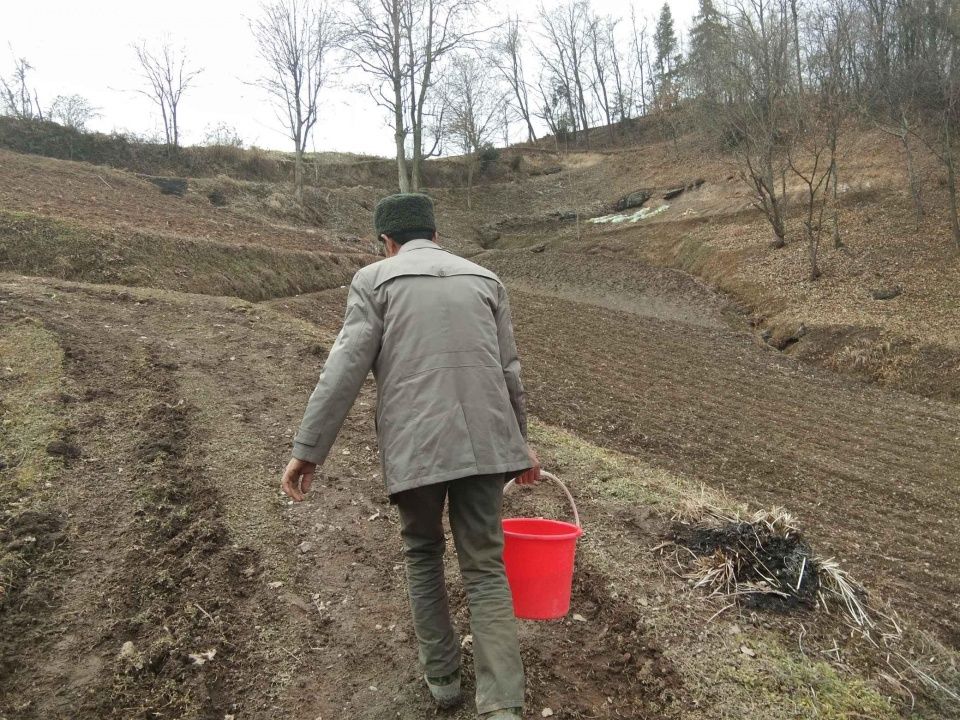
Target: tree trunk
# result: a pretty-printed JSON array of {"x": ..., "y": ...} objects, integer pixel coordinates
[
  {"x": 952, "y": 184},
  {"x": 776, "y": 222},
  {"x": 531, "y": 135},
  {"x": 833, "y": 177},
  {"x": 416, "y": 161},
  {"x": 837, "y": 240},
  {"x": 796, "y": 45},
  {"x": 643, "y": 86},
  {"x": 470, "y": 165},
  {"x": 915, "y": 189},
  {"x": 403, "y": 178},
  {"x": 166, "y": 123},
  {"x": 298, "y": 176},
  {"x": 398, "y": 133},
  {"x": 397, "y": 77},
  {"x": 813, "y": 244},
  {"x": 778, "y": 241},
  {"x": 776, "y": 209}
]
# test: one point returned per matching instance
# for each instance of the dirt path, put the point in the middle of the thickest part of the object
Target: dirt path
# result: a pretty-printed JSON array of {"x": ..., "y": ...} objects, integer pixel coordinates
[{"x": 191, "y": 589}]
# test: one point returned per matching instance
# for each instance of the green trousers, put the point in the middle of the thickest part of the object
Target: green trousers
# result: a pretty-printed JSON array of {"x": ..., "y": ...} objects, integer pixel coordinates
[{"x": 475, "y": 507}]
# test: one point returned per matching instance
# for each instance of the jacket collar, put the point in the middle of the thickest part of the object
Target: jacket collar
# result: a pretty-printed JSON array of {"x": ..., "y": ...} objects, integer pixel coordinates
[{"x": 419, "y": 245}]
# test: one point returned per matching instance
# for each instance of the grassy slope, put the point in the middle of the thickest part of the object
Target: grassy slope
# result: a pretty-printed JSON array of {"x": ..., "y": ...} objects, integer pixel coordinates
[
  {"x": 911, "y": 342},
  {"x": 41, "y": 246},
  {"x": 31, "y": 380}
]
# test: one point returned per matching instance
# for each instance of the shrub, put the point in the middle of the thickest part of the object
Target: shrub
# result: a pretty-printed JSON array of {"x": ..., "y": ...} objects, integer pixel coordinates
[{"x": 488, "y": 157}]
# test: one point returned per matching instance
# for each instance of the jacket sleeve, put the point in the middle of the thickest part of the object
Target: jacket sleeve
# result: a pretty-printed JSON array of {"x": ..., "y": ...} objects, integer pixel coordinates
[
  {"x": 347, "y": 365},
  {"x": 510, "y": 360}
]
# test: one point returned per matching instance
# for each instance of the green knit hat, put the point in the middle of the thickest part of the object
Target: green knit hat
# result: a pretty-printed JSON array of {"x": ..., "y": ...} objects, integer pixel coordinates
[{"x": 402, "y": 212}]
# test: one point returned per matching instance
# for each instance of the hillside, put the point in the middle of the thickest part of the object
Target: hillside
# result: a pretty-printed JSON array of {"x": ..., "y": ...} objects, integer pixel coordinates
[{"x": 156, "y": 352}]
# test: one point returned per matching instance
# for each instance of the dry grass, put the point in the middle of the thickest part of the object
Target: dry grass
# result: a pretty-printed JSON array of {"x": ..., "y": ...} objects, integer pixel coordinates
[
  {"x": 737, "y": 554},
  {"x": 836, "y": 582},
  {"x": 914, "y": 662},
  {"x": 34, "y": 245},
  {"x": 31, "y": 380}
]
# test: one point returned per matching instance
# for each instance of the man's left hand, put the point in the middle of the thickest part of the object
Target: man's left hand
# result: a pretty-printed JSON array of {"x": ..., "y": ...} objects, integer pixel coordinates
[
  {"x": 531, "y": 476},
  {"x": 297, "y": 478}
]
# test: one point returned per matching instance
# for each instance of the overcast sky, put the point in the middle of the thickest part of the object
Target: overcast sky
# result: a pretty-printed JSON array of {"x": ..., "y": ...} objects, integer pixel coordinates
[{"x": 84, "y": 47}]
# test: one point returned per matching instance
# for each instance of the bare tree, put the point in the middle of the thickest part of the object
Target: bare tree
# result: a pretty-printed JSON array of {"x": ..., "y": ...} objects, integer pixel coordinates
[
  {"x": 296, "y": 38},
  {"x": 167, "y": 79},
  {"x": 756, "y": 117},
  {"x": 73, "y": 111},
  {"x": 557, "y": 106},
  {"x": 828, "y": 46},
  {"x": 475, "y": 105},
  {"x": 373, "y": 36},
  {"x": 432, "y": 30},
  {"x": 640, "y": 58},
  {"x": 508, "y": 60},
  {"x": 16, "y": 97},
  {"x": 795, "y": 15},
  {"x": 623, "y": 87},
  {"x": 554, "y": 109},
  {"x": 565, "y": 55},
  {"x": 600, "y": 33},
  {"x": 901, "y": 126},
  {"x": 930, "y": 68},
  {"x": 401, "y": 44},
  {"x": 811, "y": 159}
]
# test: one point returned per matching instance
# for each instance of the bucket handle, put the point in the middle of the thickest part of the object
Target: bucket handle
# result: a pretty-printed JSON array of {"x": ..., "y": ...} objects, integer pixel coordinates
[{"x": 554, "y": 479}]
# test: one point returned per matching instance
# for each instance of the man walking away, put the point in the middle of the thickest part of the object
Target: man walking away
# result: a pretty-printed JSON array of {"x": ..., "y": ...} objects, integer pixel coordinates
[{"x": 451, "y": 426}]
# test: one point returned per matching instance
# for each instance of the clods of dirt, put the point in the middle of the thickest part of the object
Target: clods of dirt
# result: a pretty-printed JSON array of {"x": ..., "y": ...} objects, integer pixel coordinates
[
  {"x": 63, "y": 449},
  {"x": 785, "y": 337},
  {"x": 217, "y": 198},
  {"x": 887, "y": 293},
  {"x": 40, "y": 530}
]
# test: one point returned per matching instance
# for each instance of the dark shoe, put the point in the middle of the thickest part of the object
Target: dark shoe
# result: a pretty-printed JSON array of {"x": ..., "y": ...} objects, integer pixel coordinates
[
  {"x": 506, "y": 714},
  {"x": 446, "y": 689}
]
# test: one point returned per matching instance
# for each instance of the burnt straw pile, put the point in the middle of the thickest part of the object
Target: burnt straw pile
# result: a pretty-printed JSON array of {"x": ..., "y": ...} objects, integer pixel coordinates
[{"x": 760, "y": 560}]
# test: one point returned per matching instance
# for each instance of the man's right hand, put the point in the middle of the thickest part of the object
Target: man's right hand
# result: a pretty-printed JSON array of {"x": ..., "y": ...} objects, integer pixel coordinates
[
  {"x": 531, "y": 476},
  {"x": 297, "y": 478}
]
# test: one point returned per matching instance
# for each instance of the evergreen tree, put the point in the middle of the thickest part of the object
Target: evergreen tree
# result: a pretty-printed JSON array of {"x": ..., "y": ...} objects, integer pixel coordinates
[
  {"x": 665, "y": 43},
  {"x": 707, "y": 48}
]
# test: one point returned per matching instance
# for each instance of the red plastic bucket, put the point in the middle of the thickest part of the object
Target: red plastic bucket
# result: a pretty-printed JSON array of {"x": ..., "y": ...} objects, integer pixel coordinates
[{"x": 538, "y": 555}]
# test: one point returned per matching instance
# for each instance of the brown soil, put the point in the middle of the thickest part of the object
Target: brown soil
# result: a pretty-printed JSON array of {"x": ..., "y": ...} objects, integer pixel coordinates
[
  {"x": 160, "y": 573},
  {"x": 100, "y": 197},
  {"x": 714, "y": 406},
  {"x": 177, "y": 539}
]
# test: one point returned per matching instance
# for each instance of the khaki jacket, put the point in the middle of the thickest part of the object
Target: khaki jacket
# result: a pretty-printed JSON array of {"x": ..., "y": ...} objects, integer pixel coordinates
[{"x": 436, "y": 331}]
